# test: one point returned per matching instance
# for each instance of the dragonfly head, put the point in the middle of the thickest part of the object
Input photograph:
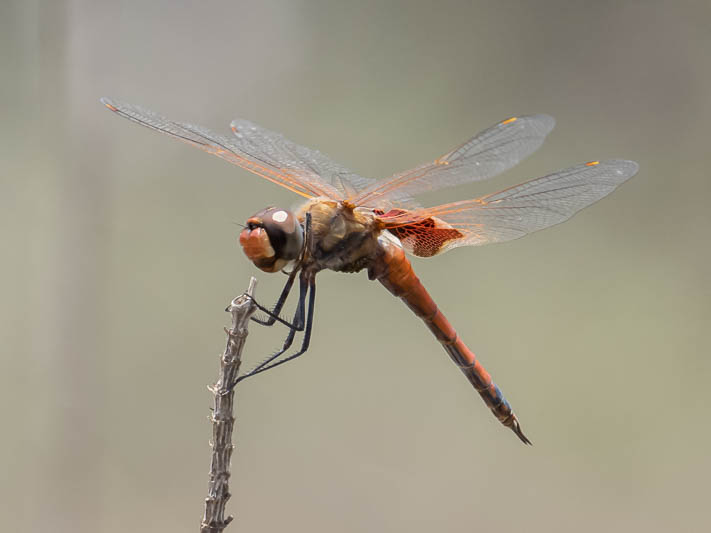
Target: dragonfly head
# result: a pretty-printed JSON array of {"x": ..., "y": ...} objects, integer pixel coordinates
[{"x": 273, "y": 238}]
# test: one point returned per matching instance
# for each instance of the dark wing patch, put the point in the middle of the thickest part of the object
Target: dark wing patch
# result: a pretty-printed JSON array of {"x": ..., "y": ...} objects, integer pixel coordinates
[{"x": 423, "y": 237}]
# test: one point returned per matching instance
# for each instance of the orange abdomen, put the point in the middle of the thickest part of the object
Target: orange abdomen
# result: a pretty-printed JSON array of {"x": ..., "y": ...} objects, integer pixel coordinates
[{"x": 394, "y": 271}]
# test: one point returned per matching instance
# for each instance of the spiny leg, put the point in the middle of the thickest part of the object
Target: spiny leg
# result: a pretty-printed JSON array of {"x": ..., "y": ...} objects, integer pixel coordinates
[
  {"x": 273, "y": 314},
  {"x": 307, "y": 333},
  {"x": 298, "y": 325},
  {"x": 265, "y": 365}
]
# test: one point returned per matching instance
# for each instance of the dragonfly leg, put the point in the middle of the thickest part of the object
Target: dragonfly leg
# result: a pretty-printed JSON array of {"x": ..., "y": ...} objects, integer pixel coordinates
[
  {"x": 308, "y": 284},
  {"x": 273, "y": 314}
]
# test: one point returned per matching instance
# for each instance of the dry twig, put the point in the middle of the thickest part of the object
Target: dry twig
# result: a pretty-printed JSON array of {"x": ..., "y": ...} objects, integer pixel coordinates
[{"x": 222, "y": 418}]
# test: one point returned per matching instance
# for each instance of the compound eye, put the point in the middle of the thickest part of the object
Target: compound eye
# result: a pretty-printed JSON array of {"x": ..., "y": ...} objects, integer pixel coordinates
[
  {"x": 285, "y": 232},
  {"x": 285, "y": 235}
]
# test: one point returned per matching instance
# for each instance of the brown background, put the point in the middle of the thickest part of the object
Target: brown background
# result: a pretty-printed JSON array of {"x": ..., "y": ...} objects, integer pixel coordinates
[{"x": 119, "y": 255}]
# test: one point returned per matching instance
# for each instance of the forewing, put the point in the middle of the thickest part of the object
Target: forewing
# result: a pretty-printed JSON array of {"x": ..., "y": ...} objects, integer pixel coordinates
[
  {"x": 489, "y": 153},
  {"x": 250, "y": 156},
  {"x": 514, "y": 212}
]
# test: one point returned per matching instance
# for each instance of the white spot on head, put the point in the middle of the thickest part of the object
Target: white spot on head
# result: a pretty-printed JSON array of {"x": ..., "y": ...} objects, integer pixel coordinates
[{"x": 280, "y": 216}]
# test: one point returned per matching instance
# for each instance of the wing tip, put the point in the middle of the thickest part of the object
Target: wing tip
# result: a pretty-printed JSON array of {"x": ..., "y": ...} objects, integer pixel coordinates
[
  {"x": 547, "y": 121},
  {"x": 108, "y": 103},
  {"x": 623, "y": 167},
  {"x": 633, "y": 166}
]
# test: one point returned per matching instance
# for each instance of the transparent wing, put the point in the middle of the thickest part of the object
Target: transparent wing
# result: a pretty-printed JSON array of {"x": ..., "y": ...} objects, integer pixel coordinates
[
  {"x": 511, "y": 213},
  {"x": 283, "y": 153},
  {"x": 249, "y": 154},
  {"x": 491, "y": 152}
]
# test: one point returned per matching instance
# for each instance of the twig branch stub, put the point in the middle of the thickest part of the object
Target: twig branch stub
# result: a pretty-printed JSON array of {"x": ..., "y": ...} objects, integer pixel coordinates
[{"x": 222, "y": 418}]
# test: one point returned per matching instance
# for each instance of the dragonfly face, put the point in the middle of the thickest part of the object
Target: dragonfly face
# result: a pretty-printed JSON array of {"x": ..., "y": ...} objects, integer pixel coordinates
[{"x": 272, "y": 239}]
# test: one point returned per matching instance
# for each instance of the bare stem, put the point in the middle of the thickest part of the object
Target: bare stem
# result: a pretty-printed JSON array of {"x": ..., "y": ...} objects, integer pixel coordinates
[{"x": 222, "y": 418}]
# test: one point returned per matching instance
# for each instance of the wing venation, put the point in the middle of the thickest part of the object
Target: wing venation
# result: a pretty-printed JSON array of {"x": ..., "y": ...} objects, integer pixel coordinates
[
  {"x": 268, "y": 154},
  {"x": 484, "y": 156},
  {"x": 519, "y": 210}
]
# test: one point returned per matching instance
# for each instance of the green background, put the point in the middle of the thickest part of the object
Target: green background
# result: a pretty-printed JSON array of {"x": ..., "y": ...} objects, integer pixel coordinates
[{"x": 120, "y": 253}]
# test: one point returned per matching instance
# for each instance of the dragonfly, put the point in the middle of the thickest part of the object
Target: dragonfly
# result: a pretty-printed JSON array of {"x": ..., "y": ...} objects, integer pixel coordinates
[{"x": 348, "y": 223}]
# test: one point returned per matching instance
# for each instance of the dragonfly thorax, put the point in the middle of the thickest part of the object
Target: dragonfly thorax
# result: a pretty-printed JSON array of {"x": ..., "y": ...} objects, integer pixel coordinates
[
  {"x": 344, "y": 238},
  {"x": 272, "y": 239}
]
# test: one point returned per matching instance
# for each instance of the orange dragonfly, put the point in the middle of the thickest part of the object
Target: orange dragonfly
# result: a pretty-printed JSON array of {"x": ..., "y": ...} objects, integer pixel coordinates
[{"x": 349, "y": 223}]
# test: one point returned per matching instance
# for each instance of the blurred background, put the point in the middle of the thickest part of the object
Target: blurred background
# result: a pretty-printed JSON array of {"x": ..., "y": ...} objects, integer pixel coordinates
[{"x": 120, "y": 255}]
